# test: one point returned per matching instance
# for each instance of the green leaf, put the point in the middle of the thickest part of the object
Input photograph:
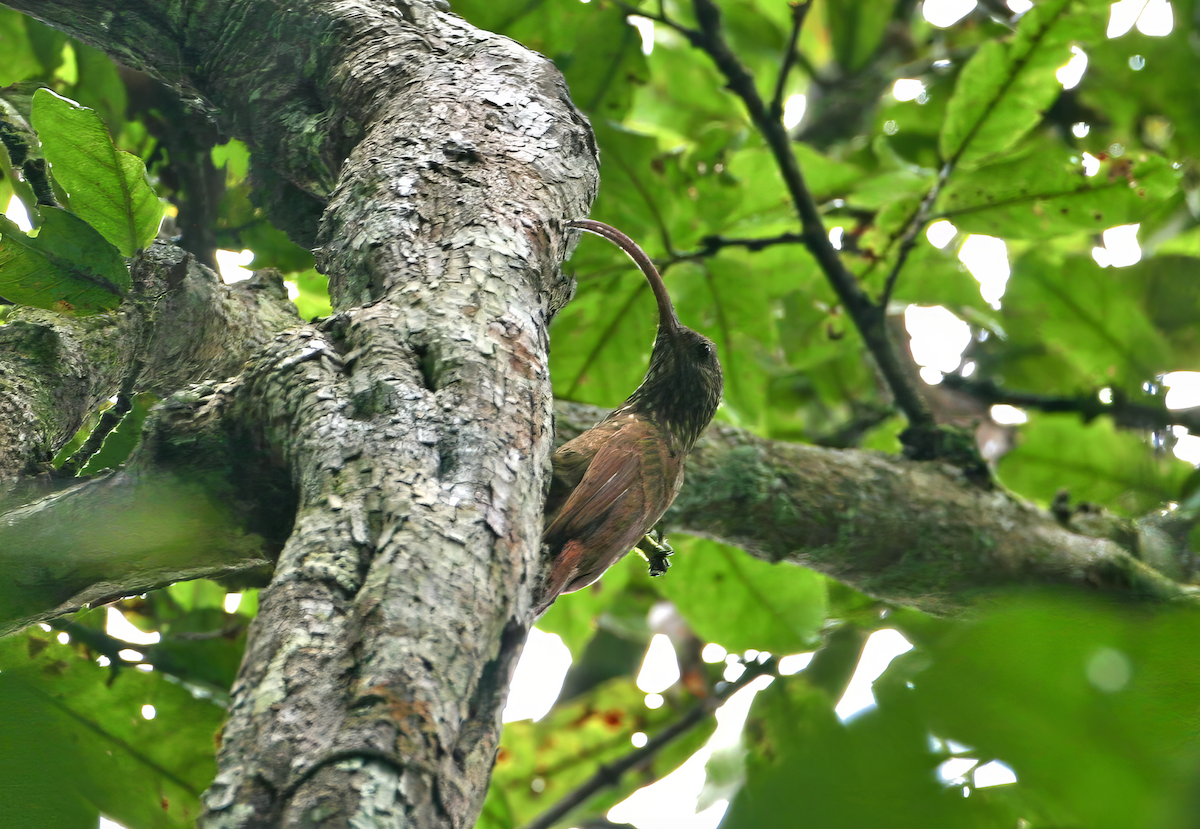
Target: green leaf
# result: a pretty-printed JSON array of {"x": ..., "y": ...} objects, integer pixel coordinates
[
  {"x": 684, "y": 99},
  {"x": 1044, "y": 193},
  {"x": 234, "y": 157},
  {"x": 1095, "y": 463},
  {"x": 313, "y": 298},
  {"x": 1092, "y": 705},
  {"x": 733, "y": 301},
  {"x": 936, "y": 277},
  {"x": 1162, "y": 88},
  {"x": 609, "y": 327},
  {"x": 106, "y": 187},
  {"x": 857, "y": 28},
  {"x": 80, "y": 437},
  {"x": 1172, "y": 301},
  {"x": 826, "y": 177},
  {"x": 36, "y": 759},
  {"x": 764, "y": 203},
  {"x": 18, "y": 57},
  {"x": 98, "y": 85},
  {"x": 631, "y": 192},
  {"x": 47, "y": 44},
  {"x": 1089, "y": 319},
  {"x": 742, "y": 603},
  {"x": 1005, "y": 87},
  {"x": 143, "y": 773},
  {"x": 67, "y": 267},
  {"x": 123, "y": 439},
  {"x": 242, "y": 225},
  {"x": 878, "y": 192}
]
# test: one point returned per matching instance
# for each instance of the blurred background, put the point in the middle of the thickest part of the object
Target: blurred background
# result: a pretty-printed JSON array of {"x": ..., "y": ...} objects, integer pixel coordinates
[{"x": 1053, "y": 290}]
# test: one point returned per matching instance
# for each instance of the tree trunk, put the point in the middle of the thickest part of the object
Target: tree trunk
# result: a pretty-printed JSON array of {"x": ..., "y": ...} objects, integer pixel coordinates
[
  {"x": 433, "y": 166},
  {"x": 392, "y": 458}
]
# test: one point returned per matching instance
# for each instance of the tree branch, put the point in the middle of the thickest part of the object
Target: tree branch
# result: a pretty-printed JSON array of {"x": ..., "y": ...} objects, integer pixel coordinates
[
  {"x": 799, "y": 12},
  {"x": 781, "y": 502},
  {"x": 114, "y": 537},
  {"x": 1124, "y": 412},
  {"x": 912, "y": 533},
  {"x": 713, "y": 244},
  {"x": 868, "y": 318},
  {"x": 610, "y": 774},
  {"x": 182, "y": 325}
]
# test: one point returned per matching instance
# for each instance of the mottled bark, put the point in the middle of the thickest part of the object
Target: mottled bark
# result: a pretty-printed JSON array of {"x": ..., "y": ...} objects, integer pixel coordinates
[
  {"x": 440, "y": 162},
  {"x": 183, "y": 327},
  {"x": 919, "y": 534},
  {"x": 782, "y": 502},
  {"x": 916, "y": 533},
  {"x": 407, "y": 437}
]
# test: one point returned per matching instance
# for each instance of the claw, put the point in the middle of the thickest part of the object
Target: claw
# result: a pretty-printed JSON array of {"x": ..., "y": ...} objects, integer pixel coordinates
[{"x": 659, "y": 553}]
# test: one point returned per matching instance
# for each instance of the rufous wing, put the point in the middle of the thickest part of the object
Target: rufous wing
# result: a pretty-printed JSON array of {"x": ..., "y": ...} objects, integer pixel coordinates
[
  {"x": 570, "y": 463},
  {"x": 612, "y": 478},
  {"x": 623, "y": 491}
]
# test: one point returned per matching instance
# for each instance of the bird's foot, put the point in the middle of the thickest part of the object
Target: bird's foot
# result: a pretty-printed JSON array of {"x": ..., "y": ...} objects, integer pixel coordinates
[{"x": 657, "y": 552}]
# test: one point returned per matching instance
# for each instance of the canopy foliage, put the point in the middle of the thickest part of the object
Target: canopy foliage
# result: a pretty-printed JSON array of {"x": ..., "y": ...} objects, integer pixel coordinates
[{"x": 1094, "y": 707}]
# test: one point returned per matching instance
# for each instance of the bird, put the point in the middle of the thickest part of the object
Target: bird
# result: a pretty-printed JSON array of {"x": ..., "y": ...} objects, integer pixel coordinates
[{"x": 610, "y": 485}]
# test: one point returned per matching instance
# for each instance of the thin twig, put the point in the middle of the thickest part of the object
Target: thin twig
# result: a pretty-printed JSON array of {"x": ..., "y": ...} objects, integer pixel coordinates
[
  {"x": 909, "y": 240},
  {"x": 108, "y": 421},
  {"x": 610, "y": 775},
  {"x": 867, "y": 317},
  {"x": 799, "y": 12},
  {"x": 1123, "y": 412},
  {"x": 712, "y": 244},
  {"x": 661, "y": 17},
  {"x": 801, "y": 60}
]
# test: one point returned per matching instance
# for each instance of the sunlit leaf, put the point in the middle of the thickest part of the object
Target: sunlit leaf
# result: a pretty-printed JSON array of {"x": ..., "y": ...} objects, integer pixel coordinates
[
  {"x": 740, "y": 602},
  {"x": 1045, "y": 193},
  {"x": 1006, "y": 86},
  {"x": 107, "y": 187}
]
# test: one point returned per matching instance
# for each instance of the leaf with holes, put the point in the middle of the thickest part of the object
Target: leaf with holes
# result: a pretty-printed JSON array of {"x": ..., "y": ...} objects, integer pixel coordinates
[
  {"x": 1044, "y": 193},
  {"x": 1005, "y": 87}
]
